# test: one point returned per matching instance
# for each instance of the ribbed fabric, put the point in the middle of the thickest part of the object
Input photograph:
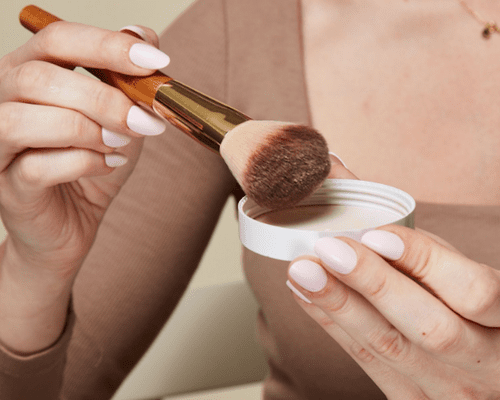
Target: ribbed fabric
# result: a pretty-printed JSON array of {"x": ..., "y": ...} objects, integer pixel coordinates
[
  {"x": 148, "y": 246},
  {"x": 248, "y": 54},
  {"x": 25, "y": 377}
]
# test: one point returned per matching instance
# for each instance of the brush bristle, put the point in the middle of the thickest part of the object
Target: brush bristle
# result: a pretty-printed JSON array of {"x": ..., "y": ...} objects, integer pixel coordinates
[{"x": 277, "y": 164}]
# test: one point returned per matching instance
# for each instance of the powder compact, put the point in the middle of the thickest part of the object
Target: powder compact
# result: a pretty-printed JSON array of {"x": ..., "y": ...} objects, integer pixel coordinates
[{"x": 341, "y": 207}]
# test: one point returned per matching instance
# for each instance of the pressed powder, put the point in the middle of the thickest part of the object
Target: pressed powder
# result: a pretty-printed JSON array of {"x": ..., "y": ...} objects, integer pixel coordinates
[
  {"x": 328, "y": 217},
  {"x": 341, "y": 207}
]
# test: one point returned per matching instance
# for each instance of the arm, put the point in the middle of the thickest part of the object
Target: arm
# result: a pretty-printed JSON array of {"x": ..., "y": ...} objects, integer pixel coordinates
[{"x": 151, "y": 238}]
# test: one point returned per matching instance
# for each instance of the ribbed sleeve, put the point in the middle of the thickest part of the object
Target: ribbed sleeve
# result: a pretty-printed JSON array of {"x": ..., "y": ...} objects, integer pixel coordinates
[
  {"x": 38, "y": 376},
  {"x": 148, "y": 245}
]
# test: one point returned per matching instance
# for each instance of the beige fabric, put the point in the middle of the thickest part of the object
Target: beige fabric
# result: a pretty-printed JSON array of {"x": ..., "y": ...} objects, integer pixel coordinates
[{"x": 248, "y": 54}]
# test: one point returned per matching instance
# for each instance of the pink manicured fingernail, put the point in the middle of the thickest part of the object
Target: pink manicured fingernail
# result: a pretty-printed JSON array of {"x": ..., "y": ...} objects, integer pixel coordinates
[
  {"x": 296, "y": 291},
  {"x": 136, "y": 29},
  {"x": 147, "y": 56},
  {"x": 309, "y": 275},
  {"x": 114, "y": 139},
  {"x": 142, "y": 122},
  {"x": 335, "y": 253},
  {"x": 338, "y": 158},
  {"x": 115, "y": 160},
  {"x": 387, "y": 244}
]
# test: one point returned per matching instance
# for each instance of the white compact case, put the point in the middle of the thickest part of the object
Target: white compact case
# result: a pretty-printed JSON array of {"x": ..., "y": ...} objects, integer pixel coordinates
[{"x": 341, "y": 207}]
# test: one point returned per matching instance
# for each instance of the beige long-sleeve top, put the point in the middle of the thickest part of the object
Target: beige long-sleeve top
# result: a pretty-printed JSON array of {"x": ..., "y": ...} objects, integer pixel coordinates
[{"x": 249, "y": 55}]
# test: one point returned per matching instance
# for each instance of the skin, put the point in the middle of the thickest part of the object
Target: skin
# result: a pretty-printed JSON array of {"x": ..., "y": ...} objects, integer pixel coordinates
[
  {"x": 54, "y": 183},
  {"x": 397, "y": 140},
  {"x": 417, "y": 71},
  {"x": 410, "y": 138}
]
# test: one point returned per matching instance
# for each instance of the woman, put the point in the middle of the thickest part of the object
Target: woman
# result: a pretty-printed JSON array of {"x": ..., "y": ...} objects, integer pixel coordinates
[{"x": 405, "y": 92}]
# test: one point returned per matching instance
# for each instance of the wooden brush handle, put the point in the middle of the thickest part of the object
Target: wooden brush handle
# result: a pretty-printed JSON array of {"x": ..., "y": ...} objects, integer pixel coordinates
[{"x": 142, "y": 89}]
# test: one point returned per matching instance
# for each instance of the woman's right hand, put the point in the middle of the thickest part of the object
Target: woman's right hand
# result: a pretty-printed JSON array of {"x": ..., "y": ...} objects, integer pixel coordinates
[{"x": 60, "y": 166}]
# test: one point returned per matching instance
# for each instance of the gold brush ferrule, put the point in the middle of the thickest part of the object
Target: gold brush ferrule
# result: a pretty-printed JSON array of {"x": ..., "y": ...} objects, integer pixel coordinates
[{"x": 203, "y": 118}]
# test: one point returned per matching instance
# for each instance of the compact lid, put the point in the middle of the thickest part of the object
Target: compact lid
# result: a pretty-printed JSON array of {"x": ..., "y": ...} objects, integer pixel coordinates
[{"x": 264, "y": 231}]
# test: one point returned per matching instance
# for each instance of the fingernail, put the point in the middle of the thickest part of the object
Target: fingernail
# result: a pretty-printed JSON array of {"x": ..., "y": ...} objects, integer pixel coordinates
[
  {"x": 309, "y": 275},
  {"x": 146, "y": 56},
  {"x": 338, "y": 158},
  {"x": 114, "y": 139},
  {"x": 335, "y": 253},
  {"x": 142, "y": 122},
  {"x": 115, "y": 160},
  {"x": 387, "y": 244},
  {"x": 136, "y": 29},
  {"x": 296, "y": 291}
]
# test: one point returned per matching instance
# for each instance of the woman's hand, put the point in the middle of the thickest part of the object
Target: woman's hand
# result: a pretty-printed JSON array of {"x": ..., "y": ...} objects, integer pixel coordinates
[
  {"x": 420, "y": 318},
  {"x": 59, "y": 134}
]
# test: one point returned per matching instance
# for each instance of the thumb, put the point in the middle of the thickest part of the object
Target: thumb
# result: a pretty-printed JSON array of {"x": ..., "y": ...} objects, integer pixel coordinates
[
  {"x": 338, "y": 169},
  {"x": 142, "y": 32}
]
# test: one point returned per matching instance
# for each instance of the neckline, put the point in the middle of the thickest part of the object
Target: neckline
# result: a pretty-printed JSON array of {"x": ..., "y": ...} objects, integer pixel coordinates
[{"x": 299, "y": 26}]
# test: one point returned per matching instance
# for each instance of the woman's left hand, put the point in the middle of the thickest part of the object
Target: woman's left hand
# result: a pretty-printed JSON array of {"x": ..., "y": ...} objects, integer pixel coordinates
[{"x": 420, "y": 318}]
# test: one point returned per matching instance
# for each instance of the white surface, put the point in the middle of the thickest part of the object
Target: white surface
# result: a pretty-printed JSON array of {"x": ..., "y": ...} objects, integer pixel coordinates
[
  {"x": 209, "y": 342},
  {"x": 244, "y": 392}
]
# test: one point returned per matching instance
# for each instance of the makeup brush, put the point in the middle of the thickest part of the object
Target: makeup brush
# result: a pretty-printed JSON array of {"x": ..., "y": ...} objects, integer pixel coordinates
[{"x": 277, "y": 164}]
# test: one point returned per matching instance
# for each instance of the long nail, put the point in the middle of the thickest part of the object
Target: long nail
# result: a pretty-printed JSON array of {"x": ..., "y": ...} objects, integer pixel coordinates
[
  {"x": 142, "y": 122},
  {"x": 309, "y": 275},
  {"x": 115, "y": 160},
  {"x": 338, "y": 158},
  {"x": 297, "y": 292},
  {"x": 387, "y": 244},
  {"x": 146, "y": 56},
  {"x": 335, "y": 253},
  {"x": 138, "y": 30},
  {"x": 114, "y": 139}
]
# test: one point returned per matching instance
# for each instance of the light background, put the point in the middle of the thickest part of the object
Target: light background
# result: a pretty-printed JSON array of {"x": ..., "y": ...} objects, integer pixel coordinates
[{"x": 221, "y": 262}]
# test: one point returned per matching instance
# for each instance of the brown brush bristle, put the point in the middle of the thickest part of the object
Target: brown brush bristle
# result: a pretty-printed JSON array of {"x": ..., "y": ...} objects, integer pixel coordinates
[{"x": 288, "y": 167}]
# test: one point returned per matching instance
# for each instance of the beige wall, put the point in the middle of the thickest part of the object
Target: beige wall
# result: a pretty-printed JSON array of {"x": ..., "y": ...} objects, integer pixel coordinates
[{"x": 221, "y": 261}]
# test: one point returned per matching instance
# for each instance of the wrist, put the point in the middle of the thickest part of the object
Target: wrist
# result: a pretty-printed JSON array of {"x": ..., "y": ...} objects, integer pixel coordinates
[
  {"x": 28, "y": 336},
  {"x": 33, "y": 305},
  {"x": 33, "y": 271}
]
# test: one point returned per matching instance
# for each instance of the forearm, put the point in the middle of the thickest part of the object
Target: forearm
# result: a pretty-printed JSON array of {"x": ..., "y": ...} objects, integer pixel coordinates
[{"x": 33, "y": 305}]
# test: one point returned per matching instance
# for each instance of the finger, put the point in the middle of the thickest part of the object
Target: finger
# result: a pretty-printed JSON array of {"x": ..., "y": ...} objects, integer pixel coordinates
[
  {"x": 338, "y": 169},
  {"x": 469, "y": 288},
  {"x": 44, "y": 83},
  {"x": 143, "y": 32},
  {"x": 36, "y": 170},
  {"x": 438, "y": 239},
  {"x": 413, "y": 311},
  {"x": 391, "y": 382},
  {"x": 87, "y": 46},
  {"x": 376, "y": 344},
  {"x": 25, "y": 126}
]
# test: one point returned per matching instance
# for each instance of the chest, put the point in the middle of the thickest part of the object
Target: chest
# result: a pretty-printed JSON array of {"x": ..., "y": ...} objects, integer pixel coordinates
[{"x": 413, "y": 103}]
